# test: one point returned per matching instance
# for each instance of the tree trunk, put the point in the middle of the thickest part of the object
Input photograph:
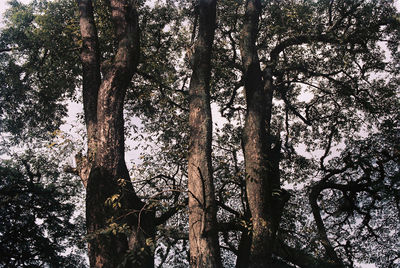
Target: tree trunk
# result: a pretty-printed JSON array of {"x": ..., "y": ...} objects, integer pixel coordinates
[
  {"x": 242, "y": 260},
  {"x": 90, "y": 57},
  {"x": 203, "y": 234},
  {"x": 257, "y": 144},
  {"x": 106, "y": 173}
]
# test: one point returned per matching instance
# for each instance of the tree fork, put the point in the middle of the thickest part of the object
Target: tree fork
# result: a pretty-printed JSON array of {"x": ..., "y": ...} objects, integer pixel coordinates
[{"x": 104, "y": 170}]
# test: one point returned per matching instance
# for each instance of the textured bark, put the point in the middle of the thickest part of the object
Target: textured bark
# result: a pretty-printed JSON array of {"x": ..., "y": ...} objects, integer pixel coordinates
[
  {"x": 258, "y": 187},
  {"x": 261, "y": 148},
  {"x": 104, "y": 164},
  {"x": 90, "y": 57},
  {"x": 203, "y": 235}
]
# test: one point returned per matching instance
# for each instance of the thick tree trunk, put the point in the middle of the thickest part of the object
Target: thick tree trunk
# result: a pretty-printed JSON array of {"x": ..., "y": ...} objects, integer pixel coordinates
[
  {"x": 203, "y": 235},
  {"x": 254, "y": 139},
  {"x": 106, "y": 174},
  {"x": 261, "y": 149}
]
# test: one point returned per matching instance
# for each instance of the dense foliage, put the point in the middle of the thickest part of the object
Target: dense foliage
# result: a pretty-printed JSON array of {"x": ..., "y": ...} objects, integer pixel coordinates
[{"x": 38, "y": 227}]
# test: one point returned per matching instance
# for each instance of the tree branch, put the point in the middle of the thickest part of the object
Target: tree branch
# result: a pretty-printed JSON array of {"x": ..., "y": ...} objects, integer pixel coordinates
[
  {"x": 161, "y": 86},
  {"x": 299, "y": 257}
]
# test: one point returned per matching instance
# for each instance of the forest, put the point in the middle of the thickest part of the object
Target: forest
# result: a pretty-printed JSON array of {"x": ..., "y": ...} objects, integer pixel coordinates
[{"x": 202, "y": 133}]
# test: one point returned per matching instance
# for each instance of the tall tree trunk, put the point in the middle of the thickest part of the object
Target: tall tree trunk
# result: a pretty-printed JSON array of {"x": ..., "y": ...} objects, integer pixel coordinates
[
  {"x": 203, "y": 235},
  {"x": 106, "y": 174},
  {"x": 258, "y": 185},
  {"x": 90, "y": 57},
  {"x": 261, "y": 149}
]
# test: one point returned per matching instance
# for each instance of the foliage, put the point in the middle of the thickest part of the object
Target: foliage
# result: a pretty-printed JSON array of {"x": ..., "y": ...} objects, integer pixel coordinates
[
  {"x": 39, "y": 67},
  {"x": 39, "y": 225}
]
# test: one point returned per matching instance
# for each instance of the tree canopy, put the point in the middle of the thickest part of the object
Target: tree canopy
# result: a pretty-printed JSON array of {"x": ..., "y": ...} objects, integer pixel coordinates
[{"x": 272, "y": 124}]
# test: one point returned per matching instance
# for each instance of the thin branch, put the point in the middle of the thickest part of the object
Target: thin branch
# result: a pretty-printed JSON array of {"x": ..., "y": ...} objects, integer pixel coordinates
[
  {"x": 229, "y": 209},
  {"x": 293, "y": 109},
  {"x": 161, "y": 85}
]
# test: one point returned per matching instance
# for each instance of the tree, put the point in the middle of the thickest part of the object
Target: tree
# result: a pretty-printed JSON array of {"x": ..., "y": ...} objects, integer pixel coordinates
[
  {"x": 203, "y": 233},
  {"x": 259, "y": 184},
  {"x": 33, "y": 92},
  {"x": 103, "y": 169},
  {"x": 307, "y": 98},
  {"x": 38, "y": 227},
  {"x": 41, "y": 224},
  {"x": 262, "y": 176}
]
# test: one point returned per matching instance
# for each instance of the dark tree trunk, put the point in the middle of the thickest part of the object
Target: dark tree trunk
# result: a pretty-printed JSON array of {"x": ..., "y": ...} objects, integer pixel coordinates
[
  {"x": 258, "y": 186},
  {"x": 203, "y": 235},
  {"x": 261, "y": 148},
  {"x": 244, "y": 247},
  {"x": 105, "y": 172}
]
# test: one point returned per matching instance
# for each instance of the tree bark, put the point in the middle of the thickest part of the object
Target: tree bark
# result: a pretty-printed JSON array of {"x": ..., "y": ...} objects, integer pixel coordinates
[
  {"x": 258, "y": 187},
  {"x": 261, "y": 148},
  {"x": 106, "y": 174},
  {"x": 203, "y": 234},
  {"x": 90, "y": 57}
]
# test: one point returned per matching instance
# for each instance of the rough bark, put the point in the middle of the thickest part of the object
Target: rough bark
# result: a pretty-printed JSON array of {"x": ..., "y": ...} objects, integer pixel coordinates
[
  {"x": 261, "y": 148},
  {"x": 90, "y": 57},
  {"x": 259, "y": 189},
  {"x": 203, "y": 235},
  {"x": 104, "y": 166}
]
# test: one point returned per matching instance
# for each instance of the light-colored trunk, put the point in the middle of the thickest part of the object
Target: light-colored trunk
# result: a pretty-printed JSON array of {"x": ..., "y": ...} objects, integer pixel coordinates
[{"x": 203, "y": 235}]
